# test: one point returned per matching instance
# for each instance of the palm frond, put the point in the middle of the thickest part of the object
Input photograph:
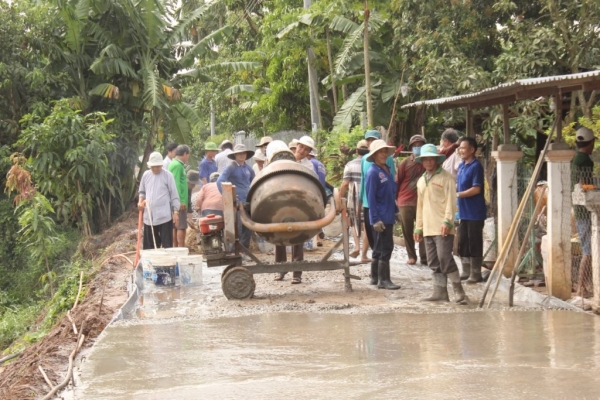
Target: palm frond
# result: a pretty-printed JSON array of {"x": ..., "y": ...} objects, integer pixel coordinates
[
  {"x": 344, "y": 25},
  {"x": 282, "y": 33},
  {"x": 204, "y": 46},
  {"x": 106, "y": 90},
  {"x": 179, "y": 30},
  {"x": 352, "y": 106},
  {"x": 153, "y": 90},
  {"x": 113, "y": 66},
  {"x": 234, "y": 66},
  {"x": 349, "y": 47},
  {"x": 192, "y": 75}
]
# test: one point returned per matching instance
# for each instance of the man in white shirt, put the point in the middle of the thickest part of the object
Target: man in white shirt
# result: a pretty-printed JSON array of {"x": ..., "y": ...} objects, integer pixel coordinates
[
  {"x": 221, "y": 159},
  {"x": 171, "y": 147}
]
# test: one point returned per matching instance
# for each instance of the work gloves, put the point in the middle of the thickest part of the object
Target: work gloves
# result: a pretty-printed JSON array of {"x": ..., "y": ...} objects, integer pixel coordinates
[{"x": 379, "y": 226}]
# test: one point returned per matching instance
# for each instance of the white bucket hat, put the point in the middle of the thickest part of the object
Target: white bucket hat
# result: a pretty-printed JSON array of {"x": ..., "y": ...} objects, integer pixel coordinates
[
  {"x": 276, "y": 147},
  {"x": 259, "y": 156},
  {"x": 155, "y": 160},
  {"x": 264, "y": 140},
  {"x": 307, "y": 141},
  {"x": 377, "y": 145}
]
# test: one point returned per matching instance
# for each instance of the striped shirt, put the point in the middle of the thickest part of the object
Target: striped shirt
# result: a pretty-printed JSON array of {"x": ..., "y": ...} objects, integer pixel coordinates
[
  {"x": 161, "y": 196},
  {"x": 352, "y": 171}
]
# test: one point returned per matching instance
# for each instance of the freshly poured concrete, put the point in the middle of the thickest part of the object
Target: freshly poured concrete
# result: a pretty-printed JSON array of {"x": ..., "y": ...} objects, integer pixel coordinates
[{"x": 493, "y": 354}]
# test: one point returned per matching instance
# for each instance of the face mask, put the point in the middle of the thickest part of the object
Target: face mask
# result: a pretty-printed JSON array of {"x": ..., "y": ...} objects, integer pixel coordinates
[{"x": 416, "y": 151}]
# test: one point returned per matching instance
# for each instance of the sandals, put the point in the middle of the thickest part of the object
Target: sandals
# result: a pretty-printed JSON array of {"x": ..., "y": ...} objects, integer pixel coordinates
[
  {"x": 279, "y": 277},
  {"x": 296, "y": 281}
]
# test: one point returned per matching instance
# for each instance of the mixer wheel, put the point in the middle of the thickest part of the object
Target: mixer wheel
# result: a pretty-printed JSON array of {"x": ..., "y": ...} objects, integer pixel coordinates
[
  {"x": 226, "y": 270},
  {"x": 238, "y": 284}
]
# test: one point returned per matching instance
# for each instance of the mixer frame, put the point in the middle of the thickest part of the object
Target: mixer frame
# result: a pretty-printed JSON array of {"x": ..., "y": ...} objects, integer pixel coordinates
[{"x": 237, "y": 281}]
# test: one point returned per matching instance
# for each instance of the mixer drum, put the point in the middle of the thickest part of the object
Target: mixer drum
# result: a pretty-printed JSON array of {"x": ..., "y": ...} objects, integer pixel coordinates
[{"x": 286, "y": 191}]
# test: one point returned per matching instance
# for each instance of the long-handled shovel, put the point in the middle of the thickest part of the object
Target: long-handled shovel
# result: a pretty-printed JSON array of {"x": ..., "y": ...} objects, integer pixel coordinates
[{"x": 139, "y": 238}]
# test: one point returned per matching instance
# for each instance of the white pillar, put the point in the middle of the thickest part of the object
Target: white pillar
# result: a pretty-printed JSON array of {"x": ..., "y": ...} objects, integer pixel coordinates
[
  {"x": 558, "y": 271},
  {"x": 508, "y": 201}
]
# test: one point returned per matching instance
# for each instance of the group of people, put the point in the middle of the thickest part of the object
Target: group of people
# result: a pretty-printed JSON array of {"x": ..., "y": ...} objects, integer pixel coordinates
[
  {"x": 422, "y": 193},
  {"x": 165, "y": 192}
]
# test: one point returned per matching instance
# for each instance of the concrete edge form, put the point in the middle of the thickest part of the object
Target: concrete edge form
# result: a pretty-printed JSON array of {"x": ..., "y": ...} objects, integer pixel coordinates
[
  {"x": 526, "y": 294},
  {"x": 135, "y": 288}
]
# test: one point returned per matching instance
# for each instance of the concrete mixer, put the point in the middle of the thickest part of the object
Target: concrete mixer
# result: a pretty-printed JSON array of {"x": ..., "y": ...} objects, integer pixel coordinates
[{"x": 286, "y": 206}]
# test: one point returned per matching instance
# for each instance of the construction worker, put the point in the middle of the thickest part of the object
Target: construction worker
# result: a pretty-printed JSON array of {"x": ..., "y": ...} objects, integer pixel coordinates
[
  {"x": 381, "y": 193},
  {"x": 436, "y": 206}
]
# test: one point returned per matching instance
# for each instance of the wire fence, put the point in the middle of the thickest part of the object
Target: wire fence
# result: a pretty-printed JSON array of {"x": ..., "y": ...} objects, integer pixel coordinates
[
  {"x": 582, "y": 180},
  {"x": 530, "y": 267}
]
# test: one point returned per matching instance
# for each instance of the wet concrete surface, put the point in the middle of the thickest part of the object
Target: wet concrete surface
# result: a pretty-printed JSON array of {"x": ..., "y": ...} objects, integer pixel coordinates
[{"x": 457, "y": 355}]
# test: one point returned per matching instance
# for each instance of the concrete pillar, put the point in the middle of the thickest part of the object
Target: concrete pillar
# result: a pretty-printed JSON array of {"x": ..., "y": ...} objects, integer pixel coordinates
[
  {"x": 558, "y": 271},
  {"x": 508, "y": 201}
]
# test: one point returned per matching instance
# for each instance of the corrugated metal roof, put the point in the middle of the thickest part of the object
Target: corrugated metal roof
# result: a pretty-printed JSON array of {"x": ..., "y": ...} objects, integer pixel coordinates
[{"x": 505, "y": 91}]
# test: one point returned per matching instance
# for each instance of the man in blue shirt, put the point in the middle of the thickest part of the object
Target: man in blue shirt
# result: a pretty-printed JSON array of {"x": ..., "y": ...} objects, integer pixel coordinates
[
  {"x": 240, "y": 174},
  {"x": 208, "y": 165},
  {"x": 381, "y": 193},
  {"x": 471, "y": 210},
  {"x": 370, "y": 136}
]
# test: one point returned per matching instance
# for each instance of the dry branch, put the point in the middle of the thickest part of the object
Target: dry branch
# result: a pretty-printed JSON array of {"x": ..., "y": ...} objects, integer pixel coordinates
[{"x": 46, "y": 377}]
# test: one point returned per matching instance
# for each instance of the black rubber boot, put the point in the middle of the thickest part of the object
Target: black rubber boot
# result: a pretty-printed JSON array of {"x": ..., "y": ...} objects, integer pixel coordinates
[
  {"x": 440, "y": 288},
  {"x": 459, "y": 293},
  {"x": 466, "y": 268},
  {"x": 374, "y": 271},
  {"x": 384, "y": 277},
  {"x": 475, "y": 276}
]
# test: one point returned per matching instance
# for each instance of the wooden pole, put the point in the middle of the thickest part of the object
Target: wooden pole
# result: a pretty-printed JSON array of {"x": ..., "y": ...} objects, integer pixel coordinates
[{"x": 506, "y": 123}]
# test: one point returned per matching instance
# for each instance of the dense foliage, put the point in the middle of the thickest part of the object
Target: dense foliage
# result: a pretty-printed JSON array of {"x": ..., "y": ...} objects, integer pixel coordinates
[{"x": 88, "y": 86}]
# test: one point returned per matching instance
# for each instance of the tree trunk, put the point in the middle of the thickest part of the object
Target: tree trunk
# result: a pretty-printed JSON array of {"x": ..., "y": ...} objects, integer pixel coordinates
[
  {"x": 333, "y": 86},
  {"x": 368, "y": 68}
]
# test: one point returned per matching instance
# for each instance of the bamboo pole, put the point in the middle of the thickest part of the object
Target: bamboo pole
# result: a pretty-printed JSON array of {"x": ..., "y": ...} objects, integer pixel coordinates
[{"x": 510, "y": 237}]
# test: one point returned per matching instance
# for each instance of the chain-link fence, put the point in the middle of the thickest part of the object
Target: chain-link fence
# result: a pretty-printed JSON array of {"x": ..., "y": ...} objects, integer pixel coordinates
[
  {"x": 580, "y": 232},
  {"x": 531, "y": 265}
]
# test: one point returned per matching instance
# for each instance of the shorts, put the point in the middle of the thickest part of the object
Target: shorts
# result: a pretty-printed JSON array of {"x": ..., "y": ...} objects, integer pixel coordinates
[{"x": 183, "y": 224}]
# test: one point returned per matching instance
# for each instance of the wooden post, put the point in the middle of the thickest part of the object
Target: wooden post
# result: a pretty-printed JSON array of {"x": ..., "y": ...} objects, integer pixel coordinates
[{"x": 506, "y": 123}]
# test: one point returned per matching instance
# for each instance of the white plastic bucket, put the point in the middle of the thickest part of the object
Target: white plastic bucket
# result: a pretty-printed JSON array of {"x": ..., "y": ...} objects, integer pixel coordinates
[
  {"x": 155, "y": 258},
  {"x": 190, "y": 270},
  {"x": 178, "y": 251}
]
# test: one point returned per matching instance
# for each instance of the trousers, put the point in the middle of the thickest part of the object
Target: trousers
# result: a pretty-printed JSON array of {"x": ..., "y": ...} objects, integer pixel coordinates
[
  {"x": 408, "y": 214},
  {"x": 297, "y": 255},
  {"x": 368, "y": 228},
  {"x": 163, "y": 234},
  {"x": 470, "y": 238},
  {"x": 439, "y": 254},
  {"x": 384, "y": 243}
]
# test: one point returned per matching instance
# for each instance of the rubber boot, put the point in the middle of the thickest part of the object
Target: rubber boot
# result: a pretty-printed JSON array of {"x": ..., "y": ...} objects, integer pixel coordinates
[
  {"x": 475, "y": 276},
  {"x": 440, "y": 288},
  {"x": 461, "y": 297},
  {"x": 466, "y": 268},
  {"x": 374, "y": 271},
  {"x": 384, "y": 276}
]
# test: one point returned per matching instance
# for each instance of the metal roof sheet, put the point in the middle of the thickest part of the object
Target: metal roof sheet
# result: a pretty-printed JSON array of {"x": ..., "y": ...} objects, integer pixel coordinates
[{"x": 505, "y": 92}]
